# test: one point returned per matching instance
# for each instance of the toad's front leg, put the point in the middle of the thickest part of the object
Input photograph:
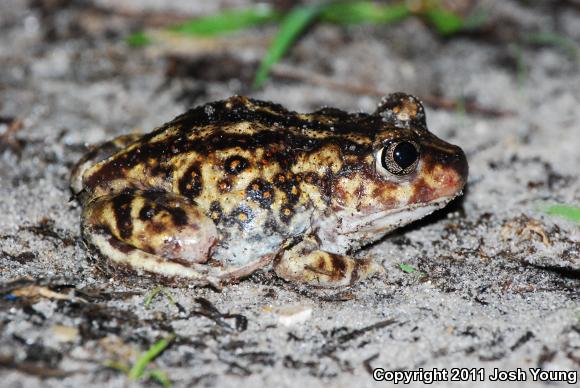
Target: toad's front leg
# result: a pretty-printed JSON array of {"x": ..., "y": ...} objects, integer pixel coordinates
[
  {"x": 156, "y": 232},
  {"x": 305, "y": 263}
]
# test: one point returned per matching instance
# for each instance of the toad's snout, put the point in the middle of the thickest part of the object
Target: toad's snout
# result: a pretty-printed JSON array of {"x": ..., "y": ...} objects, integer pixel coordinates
[
  {"x": 443, "y": 174},
  {"x": 456, "y": 162}
]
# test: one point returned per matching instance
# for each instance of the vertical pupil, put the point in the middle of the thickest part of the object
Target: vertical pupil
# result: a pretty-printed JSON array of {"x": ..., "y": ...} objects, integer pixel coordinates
[{"x": 405, "y": 154}]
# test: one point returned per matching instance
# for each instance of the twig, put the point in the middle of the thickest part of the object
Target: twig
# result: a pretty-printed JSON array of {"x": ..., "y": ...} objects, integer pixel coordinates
[
  {"x": 8, "y": 137},
  {"x": 331, "y": 346},
  {"x": 36, "y": 369}
]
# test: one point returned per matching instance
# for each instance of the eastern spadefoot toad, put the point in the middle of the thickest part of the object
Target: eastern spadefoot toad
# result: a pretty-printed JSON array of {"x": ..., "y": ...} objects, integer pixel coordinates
[{"x": 240, "y": 184}]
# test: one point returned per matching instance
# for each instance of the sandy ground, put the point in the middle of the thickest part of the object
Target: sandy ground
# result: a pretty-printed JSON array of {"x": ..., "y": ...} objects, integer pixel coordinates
[{"x": 497, "y": 282}]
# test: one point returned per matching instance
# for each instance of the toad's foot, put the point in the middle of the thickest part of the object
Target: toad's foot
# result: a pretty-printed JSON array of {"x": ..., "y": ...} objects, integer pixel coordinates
[
  {"x": 160, "y": 233},
  {"x": 305, "y": 263}
]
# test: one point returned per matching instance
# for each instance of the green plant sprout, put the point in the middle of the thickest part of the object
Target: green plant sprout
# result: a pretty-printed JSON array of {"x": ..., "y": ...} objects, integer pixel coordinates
[
  {"x": 139, "y": 370},
  {"x": 568, "y": 212},
  {"x": 156, "y": 291},
  {"x": 407, "y": 268}
]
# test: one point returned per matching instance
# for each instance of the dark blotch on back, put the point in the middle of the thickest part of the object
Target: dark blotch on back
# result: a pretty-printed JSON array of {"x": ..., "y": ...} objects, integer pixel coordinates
[
  {"x": 122, "y": 210},
  {"x": 235, "y": 164},
  {"x": 191, "y": 184},
  {"x": 338, "y": 264},
  {"x": 241, "y": 216},
  {"x": 224, "y": 185},
  {"x": 325, "y": 185},
  {"x": 261, "y": 191},
  {"x": 286, "y": 213},
  {"x": 215, "y": 212},
  {"x": 160, "y": 170},
  {"x": 312, "y": 178},
  {"x": 178, "y": 215},
  {"x": 147, "y": 212},
  {"x": 289, "y": 184}
]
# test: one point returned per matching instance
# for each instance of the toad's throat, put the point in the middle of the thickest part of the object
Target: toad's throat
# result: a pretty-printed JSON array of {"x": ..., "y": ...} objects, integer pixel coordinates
[
  {"x": 388, "y": 220},
  {"x": 347, "y": 230}
]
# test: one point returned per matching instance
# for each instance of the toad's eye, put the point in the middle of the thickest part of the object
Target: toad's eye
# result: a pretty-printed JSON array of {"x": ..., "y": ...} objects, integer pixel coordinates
[{"x": 399, "y": 157}]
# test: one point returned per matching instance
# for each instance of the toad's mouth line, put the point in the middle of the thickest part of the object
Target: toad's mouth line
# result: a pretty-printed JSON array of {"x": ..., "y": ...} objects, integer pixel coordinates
[{"x": 387, "y": 220}]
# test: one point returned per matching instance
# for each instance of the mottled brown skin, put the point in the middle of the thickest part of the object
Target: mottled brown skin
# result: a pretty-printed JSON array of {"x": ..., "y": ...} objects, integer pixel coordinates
[{"x": 230, "y": 186}]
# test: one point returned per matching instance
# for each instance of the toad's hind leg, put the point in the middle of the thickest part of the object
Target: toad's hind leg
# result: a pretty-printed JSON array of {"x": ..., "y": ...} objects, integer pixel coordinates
[
  {"x": 305, "y": 263},
  {"x": 96, "y": 154},
  {"x": 159, "y": 233}
]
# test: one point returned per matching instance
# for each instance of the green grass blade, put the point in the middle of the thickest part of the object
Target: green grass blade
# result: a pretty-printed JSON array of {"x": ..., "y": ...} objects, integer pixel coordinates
[
  {"x": 152, "y": 296},
  {"x": 138, "y": 368},
  {"x": 407, "y": 268},
  {"x": 155, "y": 292},
  {"x": 571, "y": 213},
  {"x": 297, "y": 20},
  {"x": 227, "y": 21},
  {"x": 445, "y": 22},
  {"x": 363, "y": 12},
  {"x": 160, "y": 377},
  {"x": 138, "y": 39},
  {"x": 169, "y": 296}
]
